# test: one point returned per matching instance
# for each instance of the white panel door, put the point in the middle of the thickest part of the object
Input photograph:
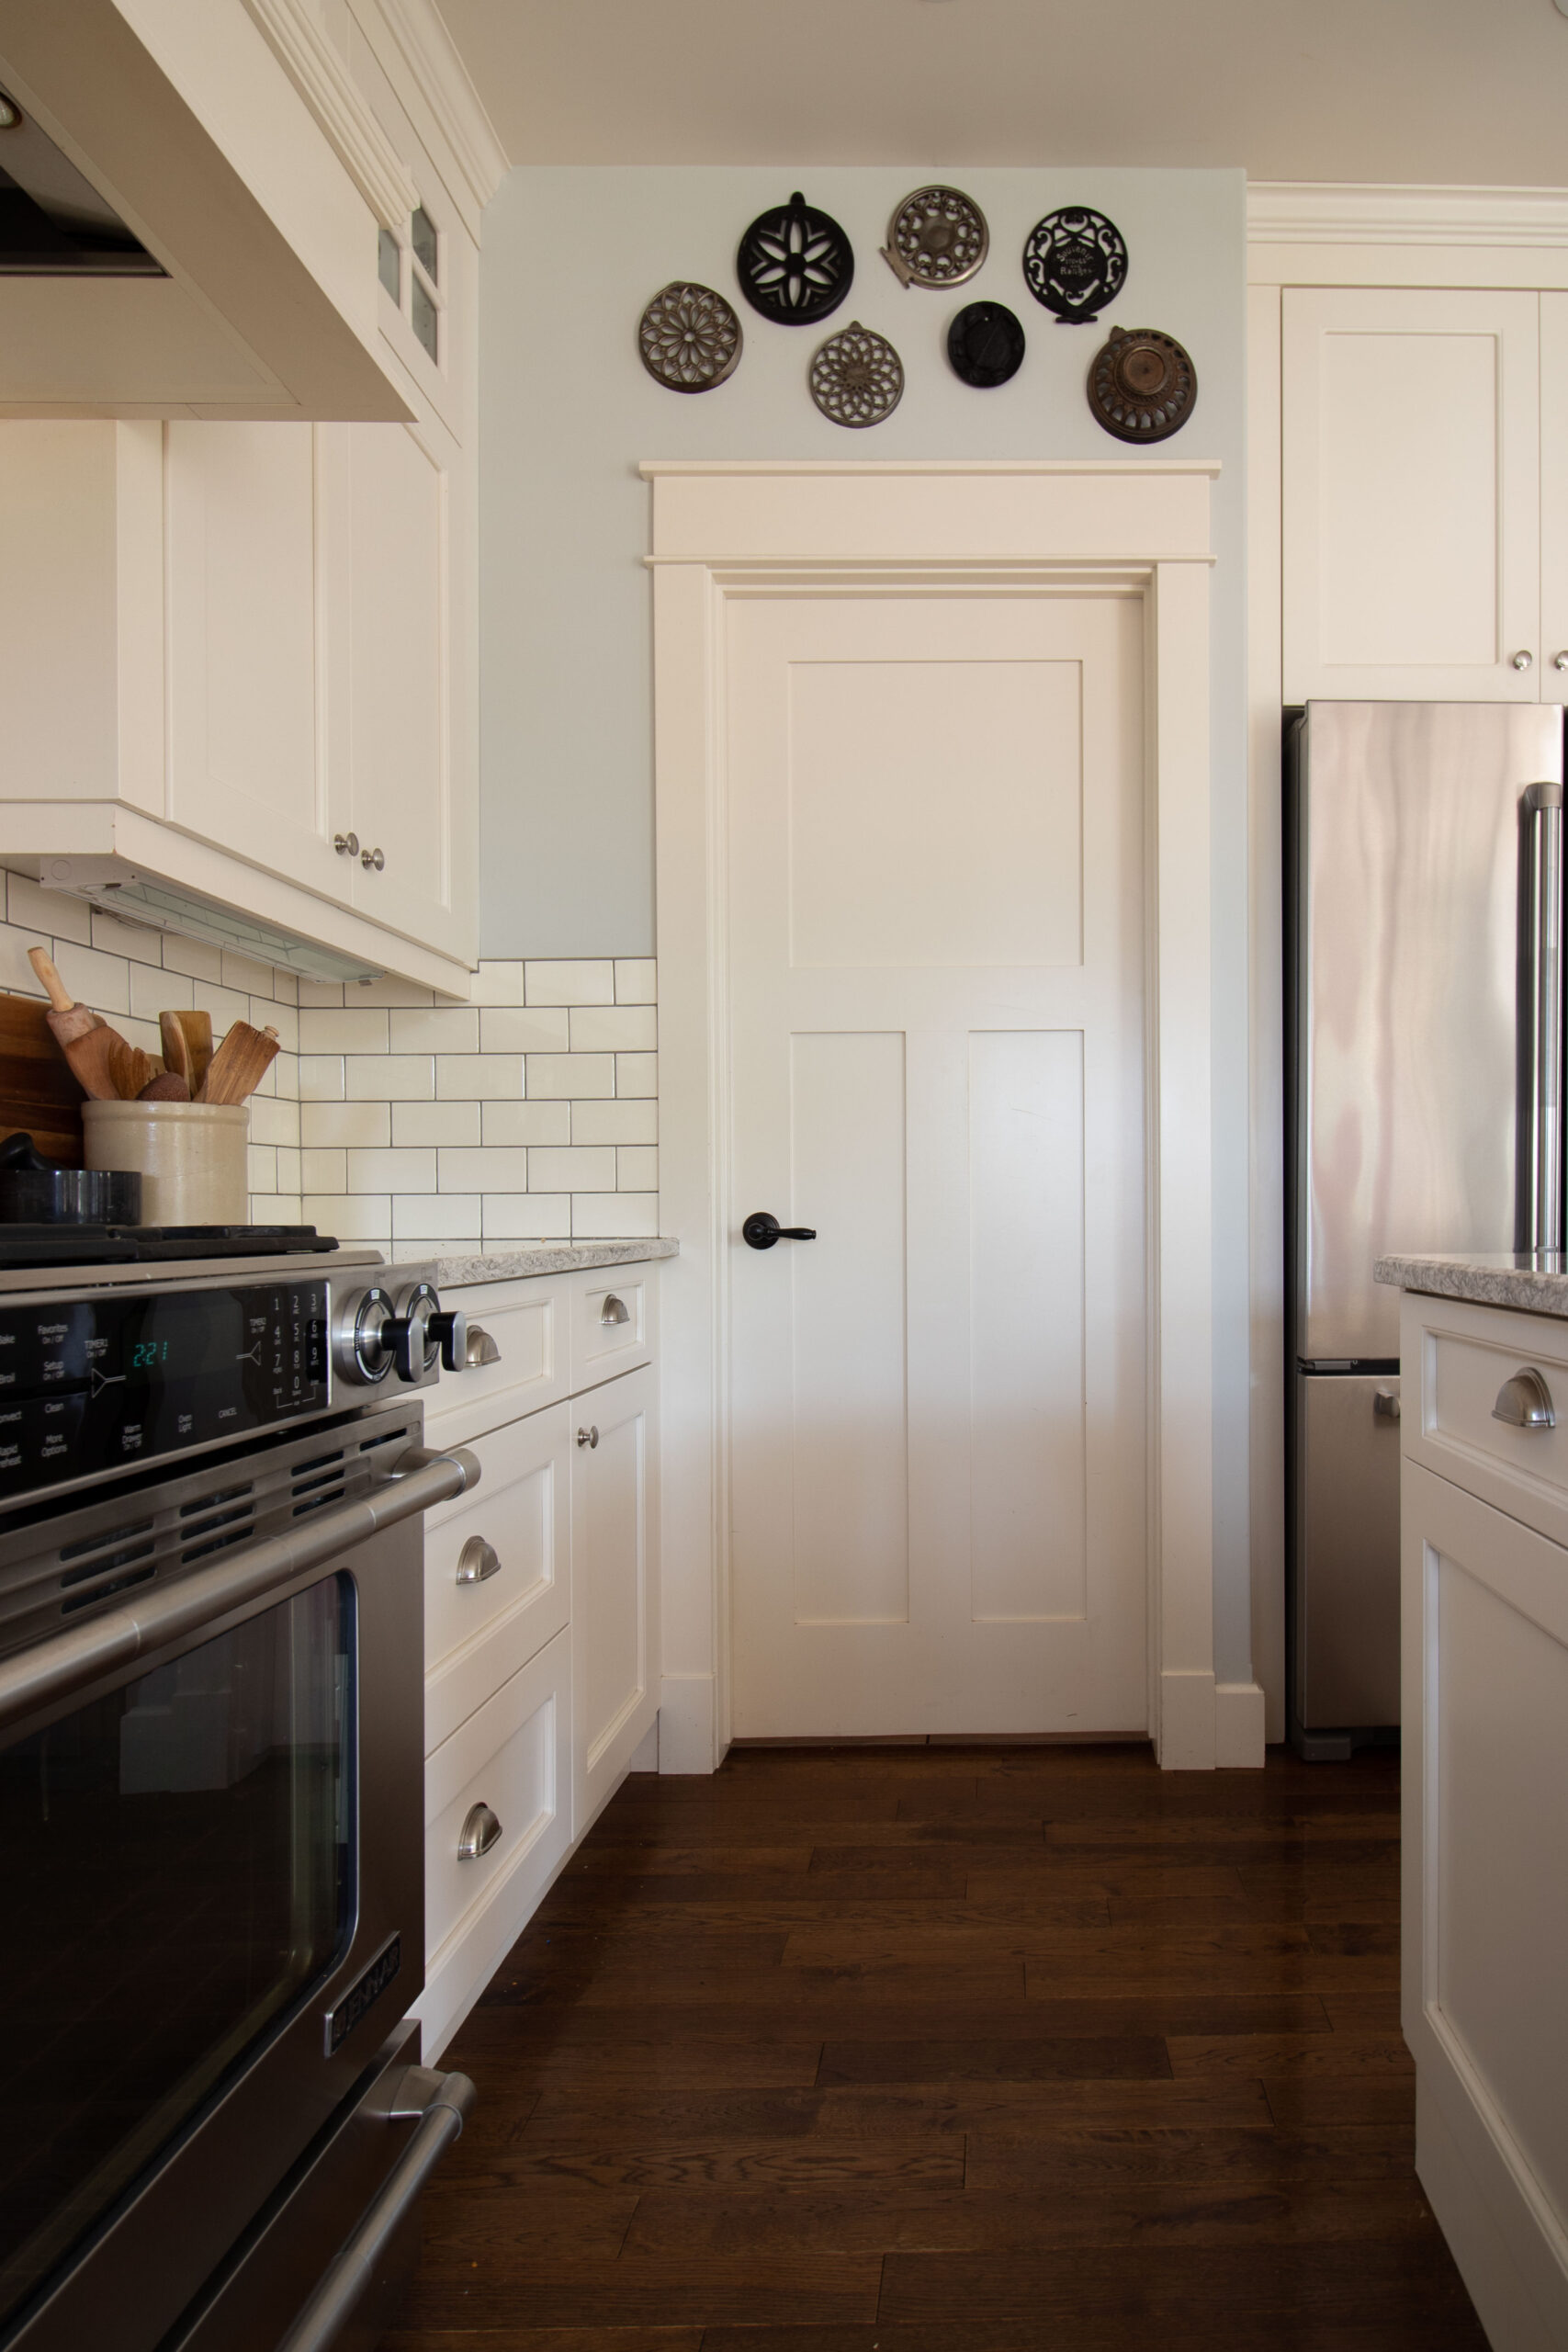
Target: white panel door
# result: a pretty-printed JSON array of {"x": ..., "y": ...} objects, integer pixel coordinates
[
  {"x": 1410, "y": 490},
  {"x": 936, "y": 945},
  {"x": 247, "y": 616}
]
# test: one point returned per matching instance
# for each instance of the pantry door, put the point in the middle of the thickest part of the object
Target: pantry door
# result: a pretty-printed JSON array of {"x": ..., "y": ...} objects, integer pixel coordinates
[{"x": 936, "y": 922}]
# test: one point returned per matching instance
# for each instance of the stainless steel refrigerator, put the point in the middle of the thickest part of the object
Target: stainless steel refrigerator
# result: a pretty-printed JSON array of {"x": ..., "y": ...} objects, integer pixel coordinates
[{"x": 1424, "y": 1037}]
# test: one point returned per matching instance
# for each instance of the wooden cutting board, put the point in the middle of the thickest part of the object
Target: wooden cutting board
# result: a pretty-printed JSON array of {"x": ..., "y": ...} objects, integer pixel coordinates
[{"x": 37, "y": 1094}]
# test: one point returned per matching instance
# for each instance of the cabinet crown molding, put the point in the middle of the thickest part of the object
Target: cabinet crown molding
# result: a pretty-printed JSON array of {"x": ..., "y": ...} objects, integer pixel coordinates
[
  {"x": 458, "y": 111},
  {"x": 307, "y": 54},
  {"x": 1303, "y": 213}
]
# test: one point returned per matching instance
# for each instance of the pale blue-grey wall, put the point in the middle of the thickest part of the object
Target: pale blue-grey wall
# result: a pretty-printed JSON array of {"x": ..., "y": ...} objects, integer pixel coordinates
[{"x": 570, "y": 256}]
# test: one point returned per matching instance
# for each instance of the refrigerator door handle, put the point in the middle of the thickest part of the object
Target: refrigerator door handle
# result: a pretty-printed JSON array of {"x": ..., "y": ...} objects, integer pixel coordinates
[{"x": 1538, "y": 1222}]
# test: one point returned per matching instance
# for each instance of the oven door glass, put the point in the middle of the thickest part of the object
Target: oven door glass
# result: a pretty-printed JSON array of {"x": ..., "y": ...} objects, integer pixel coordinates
[{"x": 179, "y": 1875}]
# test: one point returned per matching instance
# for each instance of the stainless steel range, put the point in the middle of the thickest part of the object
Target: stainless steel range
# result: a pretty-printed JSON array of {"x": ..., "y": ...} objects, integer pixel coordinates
[{"x": 211, "y": 1483}]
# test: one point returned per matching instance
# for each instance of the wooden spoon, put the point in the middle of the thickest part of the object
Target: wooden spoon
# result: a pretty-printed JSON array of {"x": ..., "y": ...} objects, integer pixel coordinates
[
  {"x": 177, "y": 1049},
  {"x": 240, "y": 1064},
  {"x": 195, "y": 1028},
  {"x": 67, "y": 1018}
]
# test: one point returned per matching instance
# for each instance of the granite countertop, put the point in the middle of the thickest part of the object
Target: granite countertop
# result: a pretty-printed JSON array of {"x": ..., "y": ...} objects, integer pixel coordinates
[
  {"x": 1537, "y": 1282},
  {"x": 511, "y": 1261}
]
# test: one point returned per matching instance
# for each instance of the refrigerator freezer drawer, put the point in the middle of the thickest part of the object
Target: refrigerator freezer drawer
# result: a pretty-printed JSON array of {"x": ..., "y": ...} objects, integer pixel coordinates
[{"x": 1347, "y": 1552}]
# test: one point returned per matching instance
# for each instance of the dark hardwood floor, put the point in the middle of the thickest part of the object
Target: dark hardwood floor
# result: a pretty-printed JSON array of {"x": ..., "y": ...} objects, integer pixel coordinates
[{"x": 895, "y": 2050}]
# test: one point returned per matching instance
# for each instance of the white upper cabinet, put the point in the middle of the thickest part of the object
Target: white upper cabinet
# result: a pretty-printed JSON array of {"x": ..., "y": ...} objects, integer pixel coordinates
[
  {"x": 1411, "y": 496},
  {"x": 1553, "y": 499}
]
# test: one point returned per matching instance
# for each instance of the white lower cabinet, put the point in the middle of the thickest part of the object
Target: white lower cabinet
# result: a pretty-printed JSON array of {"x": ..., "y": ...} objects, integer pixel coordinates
[
  {"x": 541, "y": 1613},
  {"x": 1485, "y": 1809}
]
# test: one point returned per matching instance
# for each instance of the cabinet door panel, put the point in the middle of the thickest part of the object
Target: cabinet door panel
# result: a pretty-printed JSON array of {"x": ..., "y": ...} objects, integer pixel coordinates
[
  {"x": 614, "y": 1585},
  {"x": 1410, "y": 483},
  {"x": 1553, "y": 501},
  {"x": 246, "y": 554},
  {"x": 400, "y": 680}
]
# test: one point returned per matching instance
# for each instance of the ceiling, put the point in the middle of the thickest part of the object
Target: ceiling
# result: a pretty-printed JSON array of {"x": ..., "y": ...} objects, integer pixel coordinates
[{"x": 1466, "y": 92}]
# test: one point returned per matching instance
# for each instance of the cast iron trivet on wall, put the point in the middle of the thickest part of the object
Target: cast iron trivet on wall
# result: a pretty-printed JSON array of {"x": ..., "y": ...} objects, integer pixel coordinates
[
  {"x": 689, "y": 337},
  {"x": 857, "y": 377},
  {"x": 937, "y": 237},
  {"x": 794, "y": 265},
  {"x": 1142, "y": 386},
  {"x": 985, "y": 344},
  {"x": 1074, "y": 262}
]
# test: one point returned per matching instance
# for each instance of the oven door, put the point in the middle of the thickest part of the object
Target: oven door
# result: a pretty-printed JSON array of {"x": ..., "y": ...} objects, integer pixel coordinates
[{"x": 214, "y": 1859}]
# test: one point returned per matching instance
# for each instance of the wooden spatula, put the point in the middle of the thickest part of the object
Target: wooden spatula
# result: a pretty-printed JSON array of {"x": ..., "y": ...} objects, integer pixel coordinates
[
  {"x": 67, "y": 1018},
  {"x": 196, "y": 1030},
  {"x": 238, "y": 1066},
  {"x": 177, "y": 1049}
]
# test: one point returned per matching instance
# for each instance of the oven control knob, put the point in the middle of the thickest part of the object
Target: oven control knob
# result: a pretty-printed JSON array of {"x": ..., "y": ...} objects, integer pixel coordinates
[
  {"x": 360, "y": 1347},
  {"x": 408, "y": 1332},
  {"x": 449, "y": 1332}
]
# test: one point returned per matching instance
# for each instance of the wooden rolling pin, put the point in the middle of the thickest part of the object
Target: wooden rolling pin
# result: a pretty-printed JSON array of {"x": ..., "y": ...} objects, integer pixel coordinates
[{"x": 99, "y": 1057}]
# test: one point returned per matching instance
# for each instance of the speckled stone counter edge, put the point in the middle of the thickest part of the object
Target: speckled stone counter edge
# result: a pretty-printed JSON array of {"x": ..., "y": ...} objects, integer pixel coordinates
[
  {"x": 1491, "y": 1281},
  {"x": 512, "y": 1265}
]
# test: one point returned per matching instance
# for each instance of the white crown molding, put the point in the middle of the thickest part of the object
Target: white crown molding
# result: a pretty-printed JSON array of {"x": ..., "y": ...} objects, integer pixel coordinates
[
  {"x": 298, "y": 40},
  {"x": 432, "y": 55},
  {"x": 1302, "y": 213}
]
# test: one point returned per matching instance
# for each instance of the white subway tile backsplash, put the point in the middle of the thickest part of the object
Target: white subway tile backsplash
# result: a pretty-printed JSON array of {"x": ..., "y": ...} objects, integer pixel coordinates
[
  {"x": 497, "y": 983},
  {"x": 389, "y": 1078},
  {"x": 289, "y": 1169},
  {"x": 267, "y": 1015},
  {"x": 564, "y": 1076},
  {"x": 435, "y": 1123},
  {"x": 324, "y": 1030},
  {"x": 453, "y": 1216},
  {"x": 637, "y": 980},
  {"x": 387, "y": 990},
  {"x": 602, "y": 1217},
  {"x": 479, "y": 1078},
  {"x": 17, "y": 977},
  {"x": 50, "y": 912},
  {"x": 570, "y": 983},
  {"x": 102, "y": 982},
  {"x": 321, "y": 1078},
  {"x": 637, "y": 1168},
  {"x": 314, "y": 993},
  {"x": 441, "y": 1029},
  {"x": 527, "y": 1217},
  {"x": 365, "y": 1217},
  {"x": 323, "y": 1171},
  {"x": 573, "y": 1171},
  {"x": 366, "y": 1125},
  {"x": 262, "y": 1164},
  {"x": 134, "y": 941},
  {"x": 391, "y": 1171},
  {"x": 636, "y": 1074},
  {"x": 224, "y": 1006},
  {"x": 507, "y": 1124},
  {"x": 244, "y": 972},
  {"x": 155, "y": 991},
  {"x": 275, "y": 1120},
  {"x": 513, "y": 1029},
  {"x": 614, "y": 1122},
  {"x": 193, "y": 956},
  {"x": 473, "y": 1171},
  {"x": 613, "y": 1028}
]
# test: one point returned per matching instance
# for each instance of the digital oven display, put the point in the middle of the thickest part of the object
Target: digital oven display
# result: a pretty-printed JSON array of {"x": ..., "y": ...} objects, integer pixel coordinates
[{"x": 106, "y": 1383}]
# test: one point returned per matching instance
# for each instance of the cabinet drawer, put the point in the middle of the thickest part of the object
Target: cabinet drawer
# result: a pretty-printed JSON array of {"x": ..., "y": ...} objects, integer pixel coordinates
[
  {"x": 527, "y": 1322},
  {"x": 513, "y": 1756},
  {"x": 1467, "y": 1357},
  {"x": 496, "y": 1582},
  {"x": 610, "y": 1314}
]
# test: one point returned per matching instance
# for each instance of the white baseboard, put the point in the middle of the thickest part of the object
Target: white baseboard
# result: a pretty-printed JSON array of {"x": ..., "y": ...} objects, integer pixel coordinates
[
  {"x": 686, "y": 1723},
  {"x": 1240, "y": 1726}
]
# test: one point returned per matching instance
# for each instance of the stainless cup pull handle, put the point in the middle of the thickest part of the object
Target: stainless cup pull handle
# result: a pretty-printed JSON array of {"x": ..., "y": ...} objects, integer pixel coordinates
[
  {"x": 588, "y": 1437},
  {"x": 1385, "y": 1405},
  {"x": 615, "y": 1310},
  {"x": 1525, "y": 1402},
  {"x": 479, "y": 1832},
  {"x": 481, "y": 1349},
  {"x": 477, "y": 1561}
]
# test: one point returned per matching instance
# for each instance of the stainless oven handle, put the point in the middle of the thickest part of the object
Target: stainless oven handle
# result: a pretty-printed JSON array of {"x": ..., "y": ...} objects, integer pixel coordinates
[
  {"x": 47, "y": 1671},
  {"x": 441, "y": 2102}
]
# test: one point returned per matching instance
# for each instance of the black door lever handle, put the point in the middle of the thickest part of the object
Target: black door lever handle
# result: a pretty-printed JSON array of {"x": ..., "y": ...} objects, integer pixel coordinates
[{"x": 761, "y": 1229}]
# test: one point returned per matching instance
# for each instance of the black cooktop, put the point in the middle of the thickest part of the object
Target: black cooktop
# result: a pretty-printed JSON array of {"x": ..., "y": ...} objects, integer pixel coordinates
[{"x": 125, "y": 1245}]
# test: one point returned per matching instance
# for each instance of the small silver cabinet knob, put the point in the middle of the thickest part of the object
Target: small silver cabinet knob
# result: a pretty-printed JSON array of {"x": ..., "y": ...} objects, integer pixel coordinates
[
  {"x": 477, "y": 1561},
  {"x": 1560, "y": 660},
  {"x": 1385, "y": 1405},
  {"x": 479, "y": 1832},
  {"x": 373, "y": 861},
  {"x": 615, "y": 1310},
  {"x": 1525, "y": 1402},
  {"x": 588, "y": 1437},
  {"x": 1523, "y": 659},
  {"x": 481, "y": 1349},
  {"x": 347, "y": 844}
]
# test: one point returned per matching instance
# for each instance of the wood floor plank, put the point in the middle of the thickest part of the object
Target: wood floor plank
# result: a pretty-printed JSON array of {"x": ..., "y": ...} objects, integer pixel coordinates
[{"x": 950, "y": 2049}]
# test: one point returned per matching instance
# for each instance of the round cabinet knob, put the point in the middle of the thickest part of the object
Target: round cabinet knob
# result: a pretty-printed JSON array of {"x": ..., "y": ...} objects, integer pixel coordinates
[
  {"x": 360, "y": 1346},
  {"x": 373, "y": 861},
  {"x": 588, "y": 1437},
  {"x": 479, "y": 1832},
  {"x": 1523, "y": 659},
  {"x": 1560, "y": 660},
  {"x": 347, "y": 844},
  {"x": 477, "y": 1561},
  {"x": 449, "y": 1337}
]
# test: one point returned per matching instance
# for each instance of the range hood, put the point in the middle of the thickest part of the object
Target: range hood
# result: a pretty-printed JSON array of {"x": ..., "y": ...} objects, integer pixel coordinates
[{"x": 53, "y": 223}]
